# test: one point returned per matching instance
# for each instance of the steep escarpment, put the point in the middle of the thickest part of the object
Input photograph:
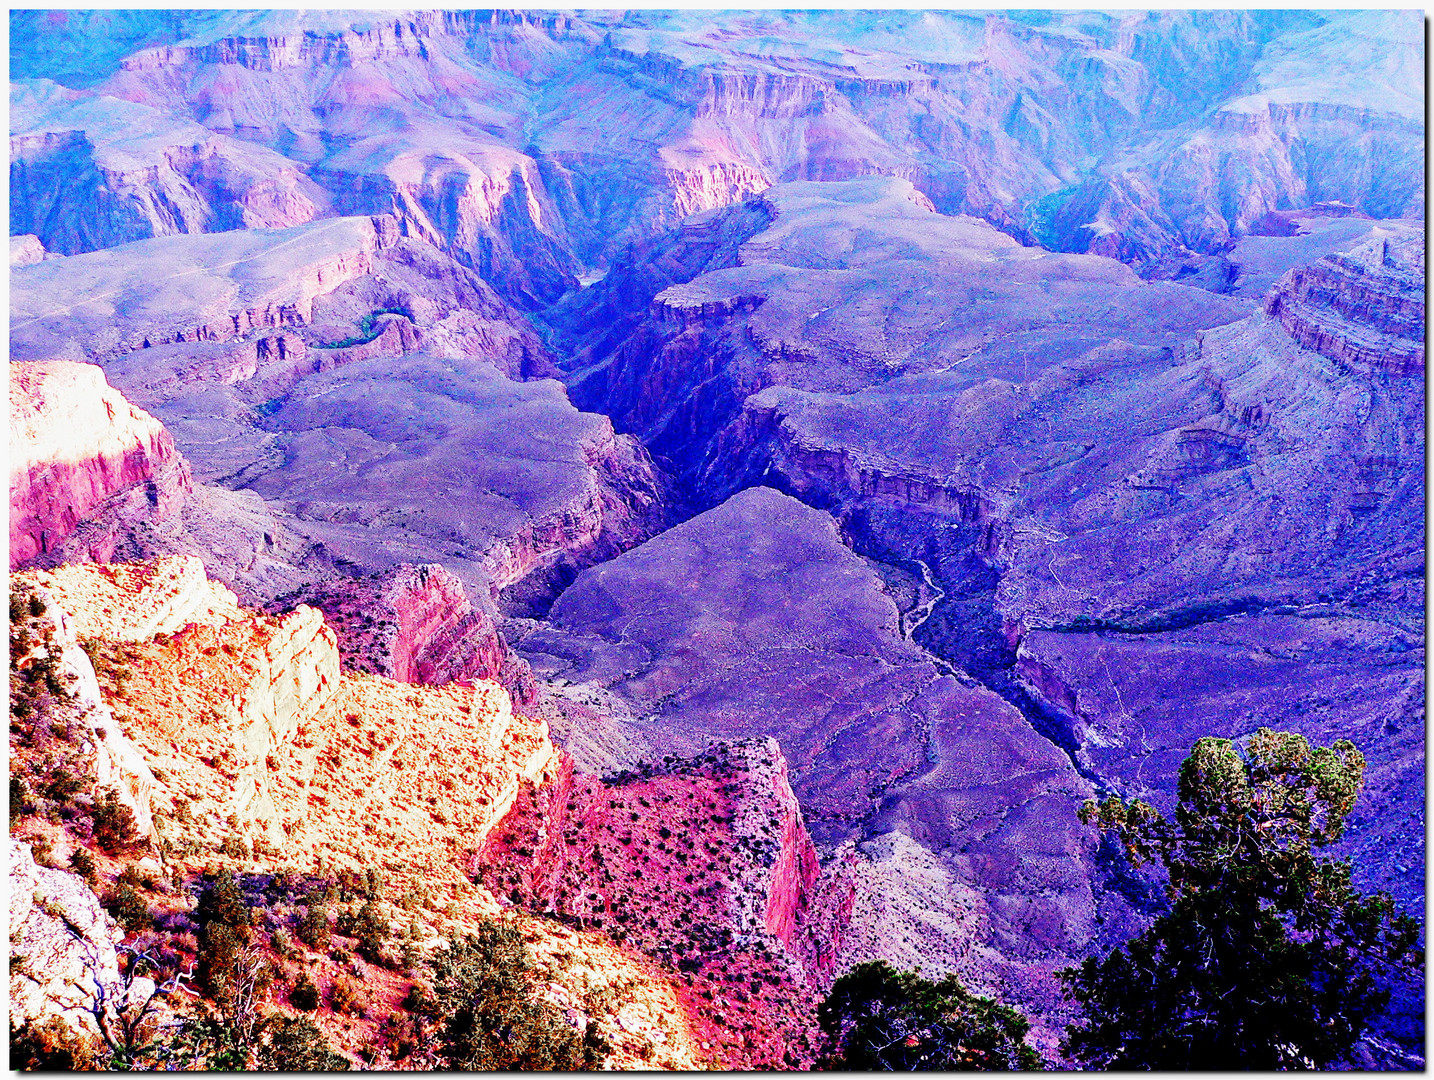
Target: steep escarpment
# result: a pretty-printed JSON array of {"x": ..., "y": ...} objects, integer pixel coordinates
[
  {"x": 1048, "y": 497},
  {"x": 1364, "y": 309},
  {"x": 753, "y": 620},
  {"x": 75, "y": 442},
  {"x": 702, "y": 862},
  {"x": 266, "y": 759}
]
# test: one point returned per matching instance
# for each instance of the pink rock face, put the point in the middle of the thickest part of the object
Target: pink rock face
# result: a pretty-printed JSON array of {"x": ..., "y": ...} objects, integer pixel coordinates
[
  {"x": 74, "y": 442},
  {"x": 703, "y": 862},
  {"x": 415, "y": 624}
]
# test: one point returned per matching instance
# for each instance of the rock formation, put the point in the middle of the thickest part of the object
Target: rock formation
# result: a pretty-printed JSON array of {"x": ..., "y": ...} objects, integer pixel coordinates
[
  {"x": 1364, "y": 309},
  {"x": 415, "y": 624},
  {"x": 702, "y": 862},
  {"x": 890, "y": 430},
  {"x": 74, "y": 443},
  {"x": 264, "y": 747},
  {"x": 62, "y": 948}
]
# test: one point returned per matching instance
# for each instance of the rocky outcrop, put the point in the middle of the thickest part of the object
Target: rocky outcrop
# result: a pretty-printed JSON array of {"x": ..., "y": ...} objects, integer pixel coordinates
[
  {"x": 261, "y": 740},
  {"x": 753, "y": 620},
  {"x": 1364, "y": 309},
  {"x": 136, "y": 601},
  {"x": 26, "y": 250},
  {"x": 62, "y": 948},
  {"x": 75, "y": 442},
  {"x": 90, "y": 171},
  {"x": 702, "y": 862},
  {"x": 120, "y": 766},
  {"x": 415, "y": 624}
]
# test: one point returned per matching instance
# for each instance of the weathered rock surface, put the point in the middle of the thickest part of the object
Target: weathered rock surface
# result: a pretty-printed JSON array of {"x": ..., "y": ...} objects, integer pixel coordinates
[
  {"x": 244, "y": 362},
  {"x": 89, "y": 171},
  {"x": 26, "y": 250},
  {"x": 416, "y": 625},
  {"x": 75, "y": 442},
  {"x": 1039, "y": 446},
  {"x": 62, "y": 947},
  {"x": 213, "y": 287},
  {"x": 702, "y": 862},
  {"x": 424, "y": 459},
  {"x": 135, "y": 601}
]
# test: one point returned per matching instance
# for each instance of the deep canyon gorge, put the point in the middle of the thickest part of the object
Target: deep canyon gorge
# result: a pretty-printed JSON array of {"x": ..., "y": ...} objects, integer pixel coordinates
[{"x": 719, "y": 490}]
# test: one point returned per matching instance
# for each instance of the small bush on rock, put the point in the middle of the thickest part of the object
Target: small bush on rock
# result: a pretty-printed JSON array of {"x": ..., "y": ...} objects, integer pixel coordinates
[
  {"x": 305, "y": 994},
  {"x": 484, "y": 985}
]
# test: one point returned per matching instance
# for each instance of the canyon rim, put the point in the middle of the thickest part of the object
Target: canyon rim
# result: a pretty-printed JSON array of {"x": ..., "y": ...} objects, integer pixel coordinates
[{"x": 688, "y": 502}]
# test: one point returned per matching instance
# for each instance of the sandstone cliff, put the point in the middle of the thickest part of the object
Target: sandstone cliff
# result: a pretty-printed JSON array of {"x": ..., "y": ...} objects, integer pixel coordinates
[
  {"x": 75, "y": 442},
  {"x": 90, "y": 171}
]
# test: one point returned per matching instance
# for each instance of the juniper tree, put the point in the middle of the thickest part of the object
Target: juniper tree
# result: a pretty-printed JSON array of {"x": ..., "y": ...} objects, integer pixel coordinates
[
  {"x": 877, "y": 1018},
  {"x": 1267, "y": 958}
]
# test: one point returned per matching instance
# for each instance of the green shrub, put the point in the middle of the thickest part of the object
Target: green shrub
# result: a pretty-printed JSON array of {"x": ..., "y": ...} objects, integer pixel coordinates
[
  {"x": 114, "y": 826},
  {"x": 294, "y": 1044},
  {"x": 83, "y": 863},
  {"x": 347, "y": 996},
  {"x": 313, "y": 929},
  {"x": 371, "y": 929},
  {"x": 224, "y": 930},
  {"x": 52, "y": 1047},
  {"x": 879, "y": 1019},
  {"x": 130, "y": 909},
  {"x": 484, "y": 985}
]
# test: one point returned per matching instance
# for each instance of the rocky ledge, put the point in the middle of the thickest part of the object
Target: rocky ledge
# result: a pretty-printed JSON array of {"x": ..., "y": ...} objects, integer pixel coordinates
[{"x": 1364, "y": 308}]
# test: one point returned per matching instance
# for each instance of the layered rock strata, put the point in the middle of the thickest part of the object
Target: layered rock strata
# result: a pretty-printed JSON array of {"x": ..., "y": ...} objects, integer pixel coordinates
[
  {"x": 91, "y": 171},
  {"x": 1146, "y": 136},
  {"x": 1364, "y": 309},
  {"x": 75, "y": 442}
]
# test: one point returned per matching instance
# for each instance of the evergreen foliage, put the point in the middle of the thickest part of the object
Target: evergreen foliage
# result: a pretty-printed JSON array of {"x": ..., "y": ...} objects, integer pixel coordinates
[
  {"x": 483, "y": 989},
  {"x": 1268, "y": 958},
  {"x": 880, "y": 1019}
]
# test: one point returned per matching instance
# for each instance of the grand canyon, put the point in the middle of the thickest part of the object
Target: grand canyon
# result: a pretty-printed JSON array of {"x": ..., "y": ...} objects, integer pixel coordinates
[{"x": 713, "y": 493}]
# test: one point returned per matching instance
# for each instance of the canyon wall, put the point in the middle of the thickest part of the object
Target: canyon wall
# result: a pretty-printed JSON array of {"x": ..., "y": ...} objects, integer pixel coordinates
[{"x": 75, "y": 441}]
